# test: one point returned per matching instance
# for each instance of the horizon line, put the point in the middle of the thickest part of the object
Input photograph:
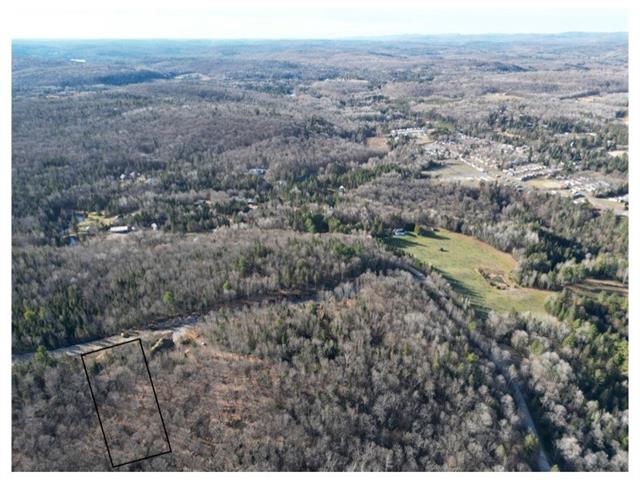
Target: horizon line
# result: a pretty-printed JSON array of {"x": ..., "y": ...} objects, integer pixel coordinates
[{"x": 355, "y": 37}]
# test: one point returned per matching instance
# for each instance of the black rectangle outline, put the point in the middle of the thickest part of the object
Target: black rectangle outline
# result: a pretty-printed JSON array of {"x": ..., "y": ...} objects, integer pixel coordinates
[{"x": 95, "y": 403}]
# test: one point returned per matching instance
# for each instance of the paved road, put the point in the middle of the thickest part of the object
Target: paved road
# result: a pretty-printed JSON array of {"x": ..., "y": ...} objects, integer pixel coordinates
[
  {"x": 484, "y": 345},
  {"x": 179, "y": 325}
]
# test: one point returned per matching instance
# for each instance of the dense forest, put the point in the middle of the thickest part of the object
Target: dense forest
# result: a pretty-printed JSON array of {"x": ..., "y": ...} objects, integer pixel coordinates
[
  {"x": 63, "y": 296},
  {"x": 574, "y": 367},
  {"x": 374, "y": 376},
  {"x": 237, "y": 203}
]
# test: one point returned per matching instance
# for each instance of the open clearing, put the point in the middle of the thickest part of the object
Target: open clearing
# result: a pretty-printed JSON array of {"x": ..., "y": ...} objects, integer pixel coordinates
[
  {"x": 456, "y": 171},
  {"x": 606, "y": 204},
  {"x": 379, "y": 143},
  {"x": 475, "y": 269},
  {"x": 96, "y": 220},
  {"x": 545, "y": 184}
]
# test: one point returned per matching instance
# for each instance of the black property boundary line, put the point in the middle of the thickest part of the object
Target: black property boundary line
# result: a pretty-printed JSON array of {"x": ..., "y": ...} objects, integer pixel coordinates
[{"x": 95, "y": 403}]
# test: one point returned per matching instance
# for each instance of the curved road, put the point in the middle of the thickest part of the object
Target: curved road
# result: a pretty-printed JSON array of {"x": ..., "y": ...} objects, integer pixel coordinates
[
  {"x": 177, "y": 326},
  {"x": 166, "y": 326},
  {"x": 484, "y": 345}
]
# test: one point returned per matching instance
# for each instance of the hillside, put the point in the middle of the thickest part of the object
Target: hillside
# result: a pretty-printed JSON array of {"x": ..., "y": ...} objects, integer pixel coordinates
[{"x": 241, "y": 203}]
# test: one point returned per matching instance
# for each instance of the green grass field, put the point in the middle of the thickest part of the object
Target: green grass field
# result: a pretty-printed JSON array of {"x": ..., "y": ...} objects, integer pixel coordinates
[
  {"x": 461, "y": 258},
  {"x": 94, "y": 220}
]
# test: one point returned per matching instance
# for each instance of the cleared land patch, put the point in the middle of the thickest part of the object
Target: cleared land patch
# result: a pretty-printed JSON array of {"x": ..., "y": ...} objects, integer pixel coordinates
[
  {"x": 456, "y": 171},
  {"x": 379, "y": 143},
  {"x": 475, "y": 269},
  {"x": 93, "y": 221},
  {"x": 545, "y": 184},
  {"x": 123, "y": 394},
  {"x": 607, "y": 204}
]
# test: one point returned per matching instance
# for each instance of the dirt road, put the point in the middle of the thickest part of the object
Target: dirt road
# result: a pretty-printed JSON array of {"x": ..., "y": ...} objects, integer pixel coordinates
[{"x": 171, "y": 327}]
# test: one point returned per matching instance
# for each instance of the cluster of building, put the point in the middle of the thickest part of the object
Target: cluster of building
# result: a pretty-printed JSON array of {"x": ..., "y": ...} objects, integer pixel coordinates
[
  {"x": 438, "y": 150},
  {"x": 407, "y": 132},
  {"x": 529, "y": 171},
  {"x": 499, "y": 153},
  {"x": 581, "y": 186},
  {"x": 517, "y": 155},
  {"x": 121, "y": 229}
]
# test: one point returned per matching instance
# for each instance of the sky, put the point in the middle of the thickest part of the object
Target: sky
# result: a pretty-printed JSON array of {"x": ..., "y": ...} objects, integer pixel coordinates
[{"x": 195, "y": 19}]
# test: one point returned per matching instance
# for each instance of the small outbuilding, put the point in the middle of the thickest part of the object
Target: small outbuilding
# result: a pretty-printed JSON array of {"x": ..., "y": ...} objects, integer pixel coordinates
[{"x": 120, "y": 229}]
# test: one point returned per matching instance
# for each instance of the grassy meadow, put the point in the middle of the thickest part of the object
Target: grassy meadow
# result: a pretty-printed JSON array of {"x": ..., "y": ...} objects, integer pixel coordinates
[{"x": 475, "y": 269}]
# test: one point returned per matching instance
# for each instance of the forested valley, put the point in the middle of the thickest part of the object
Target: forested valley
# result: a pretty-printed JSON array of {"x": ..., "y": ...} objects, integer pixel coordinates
[{"x": 264, "y": 189}]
